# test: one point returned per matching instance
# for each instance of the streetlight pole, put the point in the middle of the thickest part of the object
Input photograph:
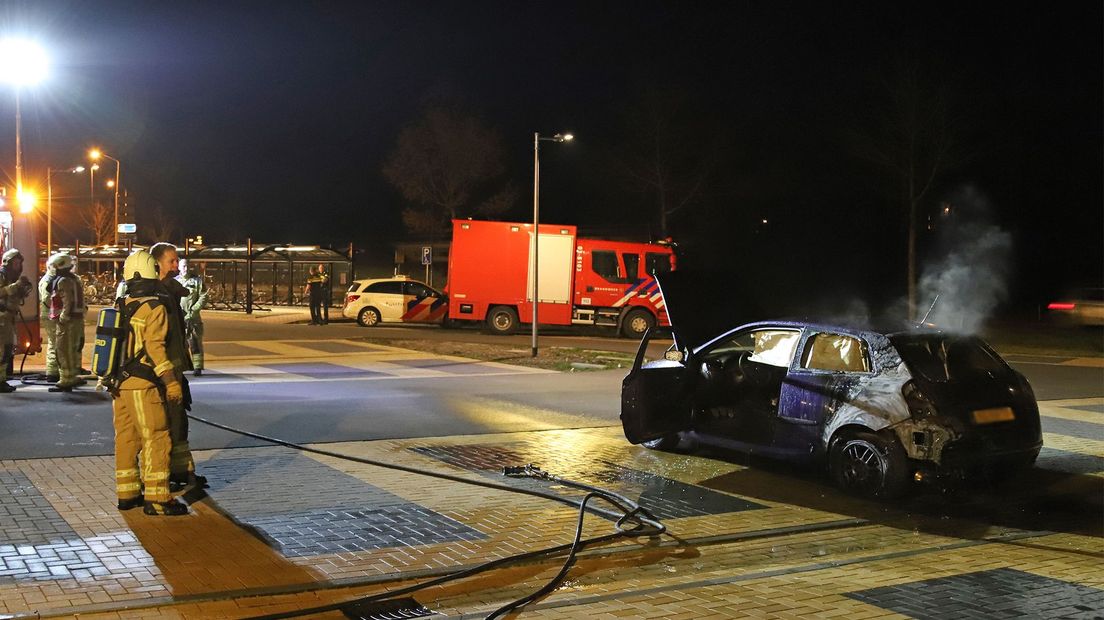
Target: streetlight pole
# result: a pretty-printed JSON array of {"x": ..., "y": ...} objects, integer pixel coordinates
[
  {"x": 50, "y": 203},
  {"x": 536, "y": 224},
  {"x": 96, "y": 154},
  {"x": 22, "y": 63}
]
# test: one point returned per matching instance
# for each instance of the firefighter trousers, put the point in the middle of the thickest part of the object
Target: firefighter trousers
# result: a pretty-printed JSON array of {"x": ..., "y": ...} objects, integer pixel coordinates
[
  {"x": 51, "y": 327},
  {"x": 68, "y": 343},
  {"x": 181, "y": 464},
  {"x": 7, "y": 345},
  {"x": 141, "y": 445}
]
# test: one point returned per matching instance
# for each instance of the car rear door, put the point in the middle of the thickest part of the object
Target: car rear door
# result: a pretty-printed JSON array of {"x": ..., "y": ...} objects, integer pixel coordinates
[
  {"x": 828, "y": 366},
  {"x": 388, "y": 297}
]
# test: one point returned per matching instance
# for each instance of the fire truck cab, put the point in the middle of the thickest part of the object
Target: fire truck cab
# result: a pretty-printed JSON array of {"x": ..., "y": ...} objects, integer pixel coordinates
[{"x": 579, "y": 281}]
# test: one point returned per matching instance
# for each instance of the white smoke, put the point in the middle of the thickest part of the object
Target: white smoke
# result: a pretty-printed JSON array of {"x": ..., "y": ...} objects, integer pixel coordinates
[{"x": 970, "y": 268}]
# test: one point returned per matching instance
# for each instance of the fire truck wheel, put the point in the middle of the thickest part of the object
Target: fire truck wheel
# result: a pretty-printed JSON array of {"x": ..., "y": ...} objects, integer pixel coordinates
[
  {"x": 502, "y": 320},
  {"x": 368, "y": 317},
  {"x": 636, "y": 323}
]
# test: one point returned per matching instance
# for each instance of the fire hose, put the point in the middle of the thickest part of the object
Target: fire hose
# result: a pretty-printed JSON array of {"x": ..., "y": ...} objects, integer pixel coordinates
[{"x": 630, "y": 520}]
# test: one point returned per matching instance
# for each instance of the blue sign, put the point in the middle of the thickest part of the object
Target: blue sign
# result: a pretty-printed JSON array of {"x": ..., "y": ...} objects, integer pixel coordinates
[
  {"x": 427, "y": 255},
  {"x": 128, "y": 228}
]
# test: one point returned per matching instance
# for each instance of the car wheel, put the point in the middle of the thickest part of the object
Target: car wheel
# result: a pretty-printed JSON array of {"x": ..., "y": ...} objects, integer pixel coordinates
[
  {"x": 502, "y": 320},
  {"x": 368, "y": 317},
  {"x": 665, "y": 443},
  {"x": 636, "y": 323},
  {"x": 868, "y": 465}
]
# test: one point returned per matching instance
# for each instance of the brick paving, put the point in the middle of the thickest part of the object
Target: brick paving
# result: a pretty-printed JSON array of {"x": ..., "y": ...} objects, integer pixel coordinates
[{"x": 282, "y": 530}]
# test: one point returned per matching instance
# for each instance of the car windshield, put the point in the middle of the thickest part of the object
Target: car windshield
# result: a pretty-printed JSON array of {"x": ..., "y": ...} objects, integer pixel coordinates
[{"x": 943, "y": 358}]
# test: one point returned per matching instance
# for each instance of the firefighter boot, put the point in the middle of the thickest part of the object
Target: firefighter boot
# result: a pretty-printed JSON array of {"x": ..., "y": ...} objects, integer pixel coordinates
[{"x": 171, "y": 508}]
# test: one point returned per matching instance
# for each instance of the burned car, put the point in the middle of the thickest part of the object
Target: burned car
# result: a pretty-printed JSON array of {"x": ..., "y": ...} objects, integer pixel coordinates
[{"x": 878, "y": 409}]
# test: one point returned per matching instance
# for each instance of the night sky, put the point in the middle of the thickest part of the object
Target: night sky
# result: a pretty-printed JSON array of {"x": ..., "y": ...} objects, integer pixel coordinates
[{"x": 274, "y": 120}]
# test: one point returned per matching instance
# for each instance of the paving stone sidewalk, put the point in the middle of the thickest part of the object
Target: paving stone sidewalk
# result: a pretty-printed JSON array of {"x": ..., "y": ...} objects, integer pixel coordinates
[{"x": 282, "y": 530}]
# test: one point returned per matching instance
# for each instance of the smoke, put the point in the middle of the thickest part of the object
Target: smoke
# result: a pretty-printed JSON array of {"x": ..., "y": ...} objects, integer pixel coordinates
[{"x": 970, "y": 266}]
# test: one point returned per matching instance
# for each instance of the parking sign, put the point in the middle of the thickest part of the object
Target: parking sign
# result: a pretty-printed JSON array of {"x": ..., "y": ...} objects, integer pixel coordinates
[{"x": 427, "y": 255}]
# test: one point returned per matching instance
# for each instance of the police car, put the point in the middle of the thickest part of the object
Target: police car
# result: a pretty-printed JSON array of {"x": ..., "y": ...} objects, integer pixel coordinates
[{"x": 394, "y": 300}]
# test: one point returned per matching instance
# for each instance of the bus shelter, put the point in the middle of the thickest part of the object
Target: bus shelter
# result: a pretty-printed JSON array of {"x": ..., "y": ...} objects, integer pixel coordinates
[{"x": 253, "y": 276}]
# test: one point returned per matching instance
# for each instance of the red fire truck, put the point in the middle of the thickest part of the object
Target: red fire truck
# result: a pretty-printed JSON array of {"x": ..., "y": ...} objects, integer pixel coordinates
[
  {"x": 17, "y": 231},
  {"x": 579, "y": 281}
]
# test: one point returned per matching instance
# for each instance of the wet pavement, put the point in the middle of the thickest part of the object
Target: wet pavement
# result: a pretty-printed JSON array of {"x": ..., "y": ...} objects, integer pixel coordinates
[{"x": 281, "y": 530}]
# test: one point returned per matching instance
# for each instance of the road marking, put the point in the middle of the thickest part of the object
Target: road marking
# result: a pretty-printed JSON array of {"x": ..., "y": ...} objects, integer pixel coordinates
[{"x": 1085, "y": 362}]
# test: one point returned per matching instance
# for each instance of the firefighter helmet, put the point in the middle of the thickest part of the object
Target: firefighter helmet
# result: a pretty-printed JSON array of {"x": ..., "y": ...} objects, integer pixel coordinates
[
  {"x": 140, "y": 264},
  {"x": 61, "y": 260},
  {"x": 11, "y": 255}
]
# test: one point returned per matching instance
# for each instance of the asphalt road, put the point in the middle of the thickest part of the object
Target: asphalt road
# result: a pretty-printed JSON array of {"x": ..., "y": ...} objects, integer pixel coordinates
[{"x": 317, "y": 402}]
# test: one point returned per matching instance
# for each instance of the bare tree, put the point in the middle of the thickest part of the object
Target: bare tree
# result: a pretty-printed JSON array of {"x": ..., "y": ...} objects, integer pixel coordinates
[
  {"x": 669, "y": 153},
  {"x": 99, "y": 220},
  {"x": 160, "y": 225},
  {"x": 449, "y": 165},
  {"x": 912, "y": 135}
]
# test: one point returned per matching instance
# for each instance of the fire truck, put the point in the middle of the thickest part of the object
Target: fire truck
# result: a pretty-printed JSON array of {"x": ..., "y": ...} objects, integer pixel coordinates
[
  {"x": 579, "y": 281},
  {"x": 17, "y": 230}
]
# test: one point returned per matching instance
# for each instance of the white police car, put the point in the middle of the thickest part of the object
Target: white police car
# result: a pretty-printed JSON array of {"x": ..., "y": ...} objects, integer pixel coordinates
[{"x": 394, "y": 300}]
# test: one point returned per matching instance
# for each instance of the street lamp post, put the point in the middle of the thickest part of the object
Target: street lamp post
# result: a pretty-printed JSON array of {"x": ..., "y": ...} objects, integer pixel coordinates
[
  {"x": 537, "y": 139},
  {"x": 50, "y": 203},
  {"x": 22, "y": 63},
  {"x": 95, "y": 154}
]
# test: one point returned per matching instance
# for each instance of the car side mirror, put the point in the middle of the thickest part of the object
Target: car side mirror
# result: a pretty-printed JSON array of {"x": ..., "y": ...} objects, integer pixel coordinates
[{"x": 674, "y": 355}]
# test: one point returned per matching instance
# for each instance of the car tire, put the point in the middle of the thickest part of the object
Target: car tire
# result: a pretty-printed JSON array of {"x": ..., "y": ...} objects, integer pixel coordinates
[
  {"x": 868, "y": 465},
  {"x": 368, "y": 317},
  {"x": 502, "y": 320},
  {"x": 666, "y": 443},
  {"x": 636, "y": 322}
]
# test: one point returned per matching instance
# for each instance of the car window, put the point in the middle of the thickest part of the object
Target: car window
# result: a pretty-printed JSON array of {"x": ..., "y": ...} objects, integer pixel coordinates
[
  {"x": 655, "y": 263},
  {"x": 774, "y": 347},
  {"x": 835, "y": 353},
  {"x": 389, "y": 287},
  {"x": 940, "y": 357},
  {"x": 355, "y": 287},
  {"x": 418, "y": 289}
]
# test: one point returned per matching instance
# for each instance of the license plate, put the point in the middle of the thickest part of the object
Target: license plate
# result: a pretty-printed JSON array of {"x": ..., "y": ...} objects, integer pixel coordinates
[{"x": 996, "y": 414}]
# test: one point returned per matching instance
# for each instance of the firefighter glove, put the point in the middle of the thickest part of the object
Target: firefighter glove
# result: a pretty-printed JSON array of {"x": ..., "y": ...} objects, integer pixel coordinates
[{"x": 173, "y": 392}]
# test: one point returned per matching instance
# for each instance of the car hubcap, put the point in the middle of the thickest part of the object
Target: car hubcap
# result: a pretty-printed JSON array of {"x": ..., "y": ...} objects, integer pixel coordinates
[
  {"x": 370, "y": 318},
  {"x": 863, "y": 466}
]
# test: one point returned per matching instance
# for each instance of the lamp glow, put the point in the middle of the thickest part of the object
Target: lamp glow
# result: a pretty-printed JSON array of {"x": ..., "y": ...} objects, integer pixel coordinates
[{"x": 22, "y": 62}]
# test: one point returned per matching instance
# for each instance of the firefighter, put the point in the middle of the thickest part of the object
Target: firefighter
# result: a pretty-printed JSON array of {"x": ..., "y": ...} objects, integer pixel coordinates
[
  {"x": 140, "y": 401},
  {"x": 14, "y": 288},
  {"x": 327, "y": 294},
  {"x": 192, "y": 305},
  {"x": 171, "y": 292},
  {"x": 49, "y": 325},
  {"x": 313, "y": 290},
  {"x": 67, "y": 311}
]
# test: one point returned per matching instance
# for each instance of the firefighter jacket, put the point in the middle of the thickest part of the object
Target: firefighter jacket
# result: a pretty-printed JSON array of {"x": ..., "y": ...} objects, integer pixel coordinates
[
  {"x": 170, "y": 292},
  {"x": 45, "y": 285},
  {"x": 195, "y": 300},
  {"x": 12, "y": 294},
  {"x": 67, "y": 298},
  {"x": 147, "y": 364}
]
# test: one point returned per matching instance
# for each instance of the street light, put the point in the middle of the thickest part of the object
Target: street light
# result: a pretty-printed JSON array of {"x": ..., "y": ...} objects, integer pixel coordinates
[
  {"x": 537, "y": 139},
  {"x": 50, "y": 172},
  {"x": 95, "y": 154},
  {"x": 22, "y": 63}
]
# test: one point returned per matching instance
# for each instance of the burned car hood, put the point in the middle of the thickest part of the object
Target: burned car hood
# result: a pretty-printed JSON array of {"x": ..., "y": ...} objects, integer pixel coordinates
[{"x": 704, "y": 304}]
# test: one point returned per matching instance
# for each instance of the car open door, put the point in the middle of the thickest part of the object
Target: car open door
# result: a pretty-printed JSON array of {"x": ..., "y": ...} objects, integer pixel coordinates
[{"x": 654, "y": 400}]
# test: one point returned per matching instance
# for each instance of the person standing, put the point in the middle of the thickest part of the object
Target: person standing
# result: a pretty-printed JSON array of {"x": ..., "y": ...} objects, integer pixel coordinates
[
  {"x": 192, "y": 304},
  {"x": 314, "y": 291},
  {"x": 181, "y": 463},
  {"x": 14, "y": 288},
  {"x": 49, "y": 325},
  {"x": 327, "y": 294},
  {"x": 140, "y": 402},
  {"x": 67, "y": 310}
]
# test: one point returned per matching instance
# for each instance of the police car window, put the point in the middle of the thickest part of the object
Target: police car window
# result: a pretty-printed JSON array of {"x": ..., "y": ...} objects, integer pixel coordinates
[
  {"x": 657, "y": 263},
  {"x": 418, "y": 290},
  {"x": 394, "y": 288},
  {"x": 835, "y": 353},
  {"x": 632, "y": 266},
  {"x": 354, "y": 287}
]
